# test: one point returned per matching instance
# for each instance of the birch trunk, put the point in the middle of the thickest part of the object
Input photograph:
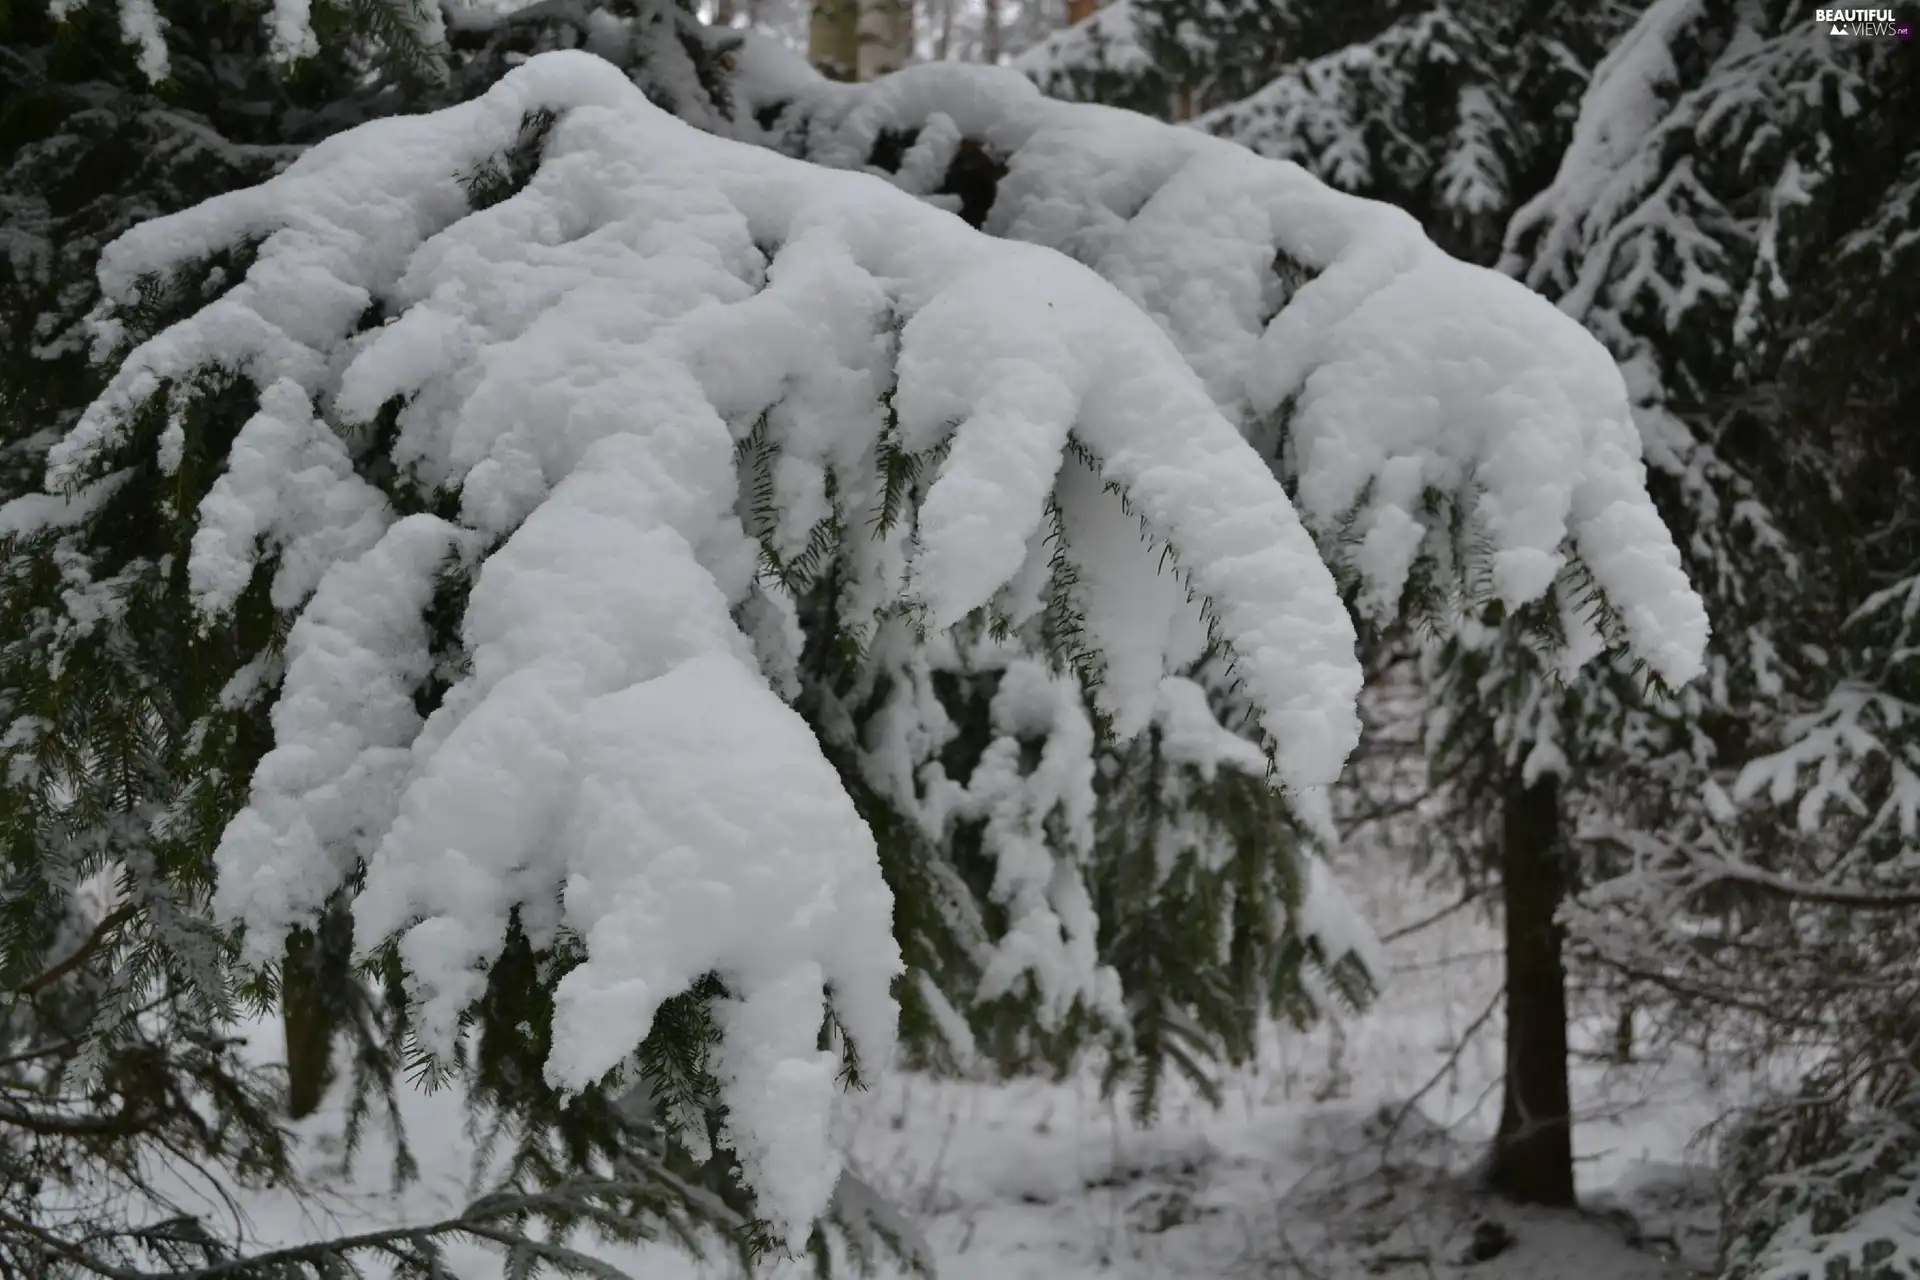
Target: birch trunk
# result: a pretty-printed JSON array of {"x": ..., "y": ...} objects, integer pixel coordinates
[
  {"x": 886, "y": 37},
  {"x": 943, "y": 43},
  {"x": 833, "y": 38}
]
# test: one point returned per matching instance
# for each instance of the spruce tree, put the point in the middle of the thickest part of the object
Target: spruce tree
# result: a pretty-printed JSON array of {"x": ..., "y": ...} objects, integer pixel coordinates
[
  {"x": 1731, "y": 167},
  {"x": 1177, "y": 59},
  {"x": 1458, "y": 114},
  {"x": 100, "y": 133}
]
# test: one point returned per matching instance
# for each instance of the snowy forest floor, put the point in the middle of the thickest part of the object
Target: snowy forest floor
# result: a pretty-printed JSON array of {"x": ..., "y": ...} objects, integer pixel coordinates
[{"x": 1346, "y": 1153}]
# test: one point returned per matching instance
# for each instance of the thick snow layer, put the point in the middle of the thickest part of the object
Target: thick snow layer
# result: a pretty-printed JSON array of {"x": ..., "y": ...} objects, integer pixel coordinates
[
  {"x": 1027, "y": 344},
  {"x": 289, "y": 487},
  {"x": 1399, "y": 371},
  {"x": 343, "y": 724}
]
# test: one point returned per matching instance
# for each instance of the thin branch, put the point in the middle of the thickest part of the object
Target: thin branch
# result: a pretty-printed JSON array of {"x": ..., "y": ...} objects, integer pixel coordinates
[
  {"x": 479, "y": 1220},
  {"x": 85, "y": 951},
  {"x": 1471, "y": 896},
  {"x": 1719, "y": 871},
  {"x": 1431, "y": 787},
  {"x": 1446, "y": 1068}
]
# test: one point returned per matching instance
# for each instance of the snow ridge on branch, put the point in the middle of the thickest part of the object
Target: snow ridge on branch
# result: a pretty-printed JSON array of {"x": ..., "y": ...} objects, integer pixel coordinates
[{"x": 1398, "y": 373}]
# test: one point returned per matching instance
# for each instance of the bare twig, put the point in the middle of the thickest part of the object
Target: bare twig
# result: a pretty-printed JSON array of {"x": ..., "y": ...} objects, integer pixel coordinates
[
  {"x": 1467, "y": 899},
  {"x": 1446, "y": 1068}
]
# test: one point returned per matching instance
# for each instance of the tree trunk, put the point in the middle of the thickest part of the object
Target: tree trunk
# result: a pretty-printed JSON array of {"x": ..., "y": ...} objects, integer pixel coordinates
[
  {"x": 318, "y": 992},
  {"x": 1079, "y": 11},
  {"x": 943, "y": 43},
  {"x": 1533, "y": 1152},
  {"x": 990, "y": 35},
  {"x": 833, "y": 38},
  {"x": 305, "y": 1017},
  {"x": 885, "y": 35}
]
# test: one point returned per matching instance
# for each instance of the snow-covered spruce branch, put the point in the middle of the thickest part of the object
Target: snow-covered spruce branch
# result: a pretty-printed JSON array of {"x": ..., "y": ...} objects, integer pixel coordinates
[
  {"x": 1700, "y": 872},
  {"x": 1854, "y": 897},
  {"x": 570, "y": 360},
  {"x": 409, "y": 1251},
  {"x": 523, "y": 402},
  {"x": 95, "y": 940}
]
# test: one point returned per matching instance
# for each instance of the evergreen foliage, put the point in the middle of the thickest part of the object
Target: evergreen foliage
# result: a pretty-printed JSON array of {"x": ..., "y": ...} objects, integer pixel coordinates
[
  {"x": 118, "y": 1039},
  {"x": 678, "y": 62},
  {"x": 1458, "y": 114},
  {"x": 1449, "y": 586},
  {"x": 1174, "y": 58},
  {"x": 113, "y": 1000}
]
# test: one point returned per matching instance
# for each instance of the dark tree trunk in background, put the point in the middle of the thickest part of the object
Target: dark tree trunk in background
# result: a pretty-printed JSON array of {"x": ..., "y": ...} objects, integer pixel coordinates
[
  {"x": 309, "y": 1031},
  {"x": 1533, "y": 1152},
  {"x": 1623, "y": 1033},
  {"x": 317, "y": 993}
]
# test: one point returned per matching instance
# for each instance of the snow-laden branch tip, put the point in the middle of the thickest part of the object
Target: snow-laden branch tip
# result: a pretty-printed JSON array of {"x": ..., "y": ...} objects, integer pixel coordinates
[{"x": 1397, "y": 371}]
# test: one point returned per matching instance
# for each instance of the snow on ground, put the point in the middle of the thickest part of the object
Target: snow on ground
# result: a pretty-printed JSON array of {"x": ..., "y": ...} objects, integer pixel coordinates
[
  {"x": 1311, "y": 1169},
  {"x": 1315, "y": 1168}
]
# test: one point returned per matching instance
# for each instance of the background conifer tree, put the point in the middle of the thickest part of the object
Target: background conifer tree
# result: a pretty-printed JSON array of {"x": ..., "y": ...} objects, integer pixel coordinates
[{"x": 1727, "y": 166}]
